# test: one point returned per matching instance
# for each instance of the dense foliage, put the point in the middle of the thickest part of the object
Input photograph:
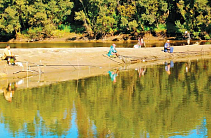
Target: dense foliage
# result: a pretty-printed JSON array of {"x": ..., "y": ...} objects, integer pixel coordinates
[{"x": 98, "y": 18}]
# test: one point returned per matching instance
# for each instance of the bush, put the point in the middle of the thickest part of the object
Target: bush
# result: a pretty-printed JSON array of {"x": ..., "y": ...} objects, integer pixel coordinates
[
  {"x": 58, "y": 33},
  {"x": 181, "y": 27},
  {"x": 160, "y": 28},
  {"x": 20, "y": 36},
  {"x": 35, "y": 33},
  {"x": 48, "y": 30},
  {"x": 196, "y": 35},
  {"x": 65, "y": 28},
  {"x": 207, "y": 37}
]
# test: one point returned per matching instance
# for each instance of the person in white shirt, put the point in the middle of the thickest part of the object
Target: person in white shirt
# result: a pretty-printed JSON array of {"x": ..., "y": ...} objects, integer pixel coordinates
[{"x": 8, "y": 55}]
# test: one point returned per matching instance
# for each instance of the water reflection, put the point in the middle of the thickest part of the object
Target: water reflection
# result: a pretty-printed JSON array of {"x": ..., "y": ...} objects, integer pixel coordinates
[
  {"x": 9, "y": 91},
  {"x": 130, "y": 44},
  {"x": 141, "y": 71},
  {"x": 168, "y": 66},
  {"x": 199, "y": 132},
  {"x": 187, "y": 66},
  {"x": 113, "y": 74},
  {"x": 156, "y": 105}
]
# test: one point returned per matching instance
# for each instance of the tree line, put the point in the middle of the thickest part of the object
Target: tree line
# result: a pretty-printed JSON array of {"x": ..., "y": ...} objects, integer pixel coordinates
[{"x": 38, "y": 19}]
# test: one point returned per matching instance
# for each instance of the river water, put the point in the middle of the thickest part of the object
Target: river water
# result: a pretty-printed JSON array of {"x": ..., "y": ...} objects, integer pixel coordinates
[
  {"x": 168, "y": 100},
  {"x": 127, "y": 44}
]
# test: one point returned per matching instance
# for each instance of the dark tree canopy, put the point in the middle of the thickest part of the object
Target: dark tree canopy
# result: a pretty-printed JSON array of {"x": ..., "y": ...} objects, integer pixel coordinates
[{"x": 41, "y": 18}]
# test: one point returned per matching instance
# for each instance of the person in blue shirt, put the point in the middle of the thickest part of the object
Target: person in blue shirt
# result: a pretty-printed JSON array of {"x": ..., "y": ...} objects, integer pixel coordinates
[
  {"x": 112, "y": 52},
  {"x": 167, "y": 46}
]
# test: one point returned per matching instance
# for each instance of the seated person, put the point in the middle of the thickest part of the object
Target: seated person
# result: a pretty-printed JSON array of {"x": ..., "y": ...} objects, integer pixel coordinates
[
  {"x": 7, "y": 55},
  {"x": 167, "y": 46},
  {"x": 112, "y": 52}
]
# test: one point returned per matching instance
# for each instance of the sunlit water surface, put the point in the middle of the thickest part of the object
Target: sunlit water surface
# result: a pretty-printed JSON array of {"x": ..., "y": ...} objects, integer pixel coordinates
[
  {"x": 169, "y": 100},
  {"x": 126, "y": 44}
]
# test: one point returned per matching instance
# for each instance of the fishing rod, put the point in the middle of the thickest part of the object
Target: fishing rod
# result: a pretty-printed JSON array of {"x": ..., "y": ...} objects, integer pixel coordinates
[
  {"x": 62, "y": 65},
  {"x": 112, "y": 59},
  {"x": 26, "y": 71}
]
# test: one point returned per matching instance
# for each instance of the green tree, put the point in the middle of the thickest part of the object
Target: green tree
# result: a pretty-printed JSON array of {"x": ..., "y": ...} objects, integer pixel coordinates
[
  {"x": 127, "y": 13},
  {"x": 16, "y": 16},
  {"x": 9, "y": 20},
  {"x": 98, "y": 17},
  {"x": 82, "y": 17},
  {"x": 196, "y": 16},
  {"x": 154, "y": 12}
]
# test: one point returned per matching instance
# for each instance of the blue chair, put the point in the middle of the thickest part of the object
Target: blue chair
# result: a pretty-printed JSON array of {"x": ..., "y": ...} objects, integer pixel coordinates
[{"x": 171, "y": 49}]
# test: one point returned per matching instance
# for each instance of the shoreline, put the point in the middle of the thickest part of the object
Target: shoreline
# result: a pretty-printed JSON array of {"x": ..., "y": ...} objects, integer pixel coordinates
[
  {"x": 71, "y": 37},
  {"x": 80, "y": 38},
  {"x": 61, "y": 40},
  {"x": 52, "y": 65}
]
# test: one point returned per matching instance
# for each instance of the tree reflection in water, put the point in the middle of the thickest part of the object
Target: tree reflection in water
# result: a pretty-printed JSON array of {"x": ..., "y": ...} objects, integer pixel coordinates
[{"x": 153, "y": 105}]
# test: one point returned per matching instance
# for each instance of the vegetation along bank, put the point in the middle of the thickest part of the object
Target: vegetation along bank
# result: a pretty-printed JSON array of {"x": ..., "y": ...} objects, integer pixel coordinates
[{"x": 35, "y": 20}]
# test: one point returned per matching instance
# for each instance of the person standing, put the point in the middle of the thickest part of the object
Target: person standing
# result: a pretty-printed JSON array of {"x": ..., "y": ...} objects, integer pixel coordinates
[
  {"x": 187, "y": 35},
  {"x": 142, "y": 43}
]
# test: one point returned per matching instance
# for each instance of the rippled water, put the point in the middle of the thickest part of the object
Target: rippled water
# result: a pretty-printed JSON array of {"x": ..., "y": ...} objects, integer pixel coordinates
[
  {"x": 149, "y": 43},
  {"x": 169, "y": 100}
]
